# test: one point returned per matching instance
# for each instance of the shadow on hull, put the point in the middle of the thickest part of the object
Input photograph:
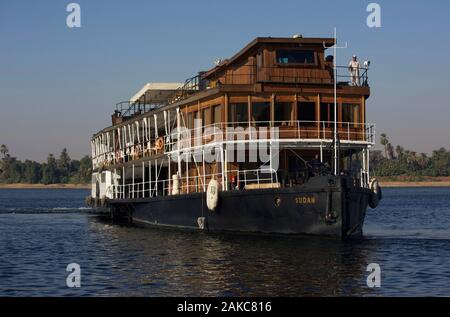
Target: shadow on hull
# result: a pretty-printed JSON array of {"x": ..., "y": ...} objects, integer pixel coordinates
[{"x": 324, "y": 206}]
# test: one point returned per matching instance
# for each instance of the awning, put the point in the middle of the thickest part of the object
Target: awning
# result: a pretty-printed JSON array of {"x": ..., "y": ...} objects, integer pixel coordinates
[{"x": 155, "y": 93}]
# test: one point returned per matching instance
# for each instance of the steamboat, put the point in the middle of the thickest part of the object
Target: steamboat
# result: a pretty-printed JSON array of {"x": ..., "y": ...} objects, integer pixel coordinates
[{"x": 273, "y": 140}]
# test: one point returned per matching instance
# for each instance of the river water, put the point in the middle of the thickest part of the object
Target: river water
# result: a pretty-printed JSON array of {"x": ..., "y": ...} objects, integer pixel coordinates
[{"x": 42, "y": 231}]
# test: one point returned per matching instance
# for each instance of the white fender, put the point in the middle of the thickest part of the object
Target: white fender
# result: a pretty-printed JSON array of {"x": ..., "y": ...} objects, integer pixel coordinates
[
  {"x": 376, "y": 193},
  {"x": 212, "y": 194},
  {"x": 175, "y": 184}
]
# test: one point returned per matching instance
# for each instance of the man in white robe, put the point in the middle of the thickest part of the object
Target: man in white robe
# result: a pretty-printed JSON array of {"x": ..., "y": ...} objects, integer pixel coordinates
[{"x": 353, "y": 68}]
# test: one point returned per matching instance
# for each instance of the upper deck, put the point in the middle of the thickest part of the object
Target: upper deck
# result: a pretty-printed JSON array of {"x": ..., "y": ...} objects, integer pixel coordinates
[
  {"x": 286, "y": 83},
  {"x": 267, "y": 65}
]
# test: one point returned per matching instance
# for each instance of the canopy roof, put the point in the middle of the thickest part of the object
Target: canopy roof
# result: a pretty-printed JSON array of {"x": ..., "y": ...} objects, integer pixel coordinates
[{"x": 155, "y": 93}]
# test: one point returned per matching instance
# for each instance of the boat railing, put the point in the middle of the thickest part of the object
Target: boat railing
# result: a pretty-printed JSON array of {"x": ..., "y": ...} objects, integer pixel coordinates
[
  {"x": 272, "y": 130},
  {"x": 288, "y": 74},
  {"x": 128, "y": 109},
  {"x": 191, "y": 85},
  {"x": 231, "y": 180},
  {"x": 250, "y": 74},
  {"x": 234, "y": 132}
]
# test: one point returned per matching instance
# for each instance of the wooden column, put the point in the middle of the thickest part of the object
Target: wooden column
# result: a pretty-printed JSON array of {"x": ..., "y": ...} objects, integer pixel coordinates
[
  {"x": 318, "y": 115},
  {"x": 295, "y": 110},
  {"x": 249, "y": 109},
  {"x": 225, "y": 111},
  {"x": 272, "y": 109}
]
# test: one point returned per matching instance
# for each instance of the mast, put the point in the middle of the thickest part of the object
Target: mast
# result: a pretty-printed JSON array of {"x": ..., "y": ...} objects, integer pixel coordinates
[{"x": 335, "y": 47}]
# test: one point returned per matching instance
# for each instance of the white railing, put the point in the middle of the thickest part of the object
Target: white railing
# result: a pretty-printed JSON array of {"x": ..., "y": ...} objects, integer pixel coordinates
[
  {"x": 235, "y": 132},
  {"x": 287, "y": 130},
  {"x": 191, "y": 184}
]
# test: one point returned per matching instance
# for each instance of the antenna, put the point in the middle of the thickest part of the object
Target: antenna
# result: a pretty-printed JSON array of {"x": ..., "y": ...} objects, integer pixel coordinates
[{"x": 335, "y": 47}]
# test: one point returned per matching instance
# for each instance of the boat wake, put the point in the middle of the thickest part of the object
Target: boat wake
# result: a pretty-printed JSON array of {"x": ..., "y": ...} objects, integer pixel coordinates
[
  {"x": 395, "y": 232},
  {"x": 55, "y": 210}
]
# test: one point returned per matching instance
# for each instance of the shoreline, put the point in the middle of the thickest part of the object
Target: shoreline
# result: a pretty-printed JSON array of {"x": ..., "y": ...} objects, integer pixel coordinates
[
  {"x": 385, "y": 184},
  {"x": 407, "y": 181},
  {"x": 388, "y": 184},
  {"x": 43, "y": 186}
]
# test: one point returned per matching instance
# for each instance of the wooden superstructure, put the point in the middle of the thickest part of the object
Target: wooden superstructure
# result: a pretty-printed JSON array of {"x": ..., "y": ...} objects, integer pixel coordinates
[{"x": 284, "y": 85}]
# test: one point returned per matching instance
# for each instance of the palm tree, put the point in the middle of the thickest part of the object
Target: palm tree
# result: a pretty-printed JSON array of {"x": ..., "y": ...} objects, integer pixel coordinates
[
  {"x": 423, "y": 160},
  {"x": 4, "y": 150},
  {"x": 400, "y": 151},
  {"x": 390, "y": 151}
]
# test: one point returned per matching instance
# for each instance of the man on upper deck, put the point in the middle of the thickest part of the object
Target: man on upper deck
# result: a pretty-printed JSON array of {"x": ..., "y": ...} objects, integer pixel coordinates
[{"x": 353, "y": 68}]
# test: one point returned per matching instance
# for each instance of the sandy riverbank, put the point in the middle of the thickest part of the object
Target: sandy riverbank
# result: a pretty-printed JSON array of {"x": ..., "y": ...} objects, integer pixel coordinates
[
  {"x": 42, "y": 186},
  {"x": 415, "y": 184},
  {"x": 404, "y": 181},
  {"x": 440, "y": 183}
]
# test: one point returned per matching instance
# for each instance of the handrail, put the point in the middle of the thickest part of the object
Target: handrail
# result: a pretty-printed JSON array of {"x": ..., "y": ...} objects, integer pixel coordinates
[
  {"x": 150, "y": 189},
  {"x": 226, "y": 132},
  {"x": 190, "y": 85},
  {"x": 278, "y": 74},
  {"x": 129, "y": 109},
  {"x": 286, "y": 74}
]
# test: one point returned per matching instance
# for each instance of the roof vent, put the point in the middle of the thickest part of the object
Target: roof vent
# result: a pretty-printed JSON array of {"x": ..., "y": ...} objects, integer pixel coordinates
[{"x": 297, "y": 36}]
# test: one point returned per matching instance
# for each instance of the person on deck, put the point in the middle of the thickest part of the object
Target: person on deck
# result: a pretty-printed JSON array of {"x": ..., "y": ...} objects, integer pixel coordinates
[
  {"x": 315, "y": 165},
  {"x": 353, "y": 68}
]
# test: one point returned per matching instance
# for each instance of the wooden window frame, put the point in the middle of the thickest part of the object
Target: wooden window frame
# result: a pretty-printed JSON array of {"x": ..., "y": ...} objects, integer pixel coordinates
[{"x": 314, "y": 65}]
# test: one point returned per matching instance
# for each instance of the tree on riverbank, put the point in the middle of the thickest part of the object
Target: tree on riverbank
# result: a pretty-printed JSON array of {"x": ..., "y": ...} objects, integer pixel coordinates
[
  {"x": 408, "y": 163},
  {"x": 391, "y": 162},
  {"x": 54, "y": 171}
]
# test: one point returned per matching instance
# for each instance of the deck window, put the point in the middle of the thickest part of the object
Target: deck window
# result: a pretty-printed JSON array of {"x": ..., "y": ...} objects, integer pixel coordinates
[
  {"x": 261, "y": 113},
  {"x": 206, "y": 116},
  {"x": 296, "y": 57},
  {"x": 326, "y": 114},
  {"x": 238, "y": 112},
  {"x": 190, "y": 120},
  {"x": 350, "y": 113},
  {"x": 306, "y": 113},
  {"x": 282, "y": 113},
  {"x": 217, "y": 114}
]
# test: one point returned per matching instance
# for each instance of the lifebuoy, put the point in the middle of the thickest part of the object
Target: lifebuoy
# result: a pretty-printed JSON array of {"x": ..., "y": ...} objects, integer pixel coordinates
[
  {"x": 118, "y": 156},
  {"x": 159, "y": 143},
  {"x": 137, "y": 152},
  {"x": 212, "y": 195}
]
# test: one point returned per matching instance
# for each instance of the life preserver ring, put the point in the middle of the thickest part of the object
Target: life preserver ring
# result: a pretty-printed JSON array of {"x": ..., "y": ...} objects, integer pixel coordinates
[
  {"x": 212, "y": 195},
  {"x": 376, "y": 195},
  {"x": 137, "y": 152},
  {"x": 159, "y": 143},
  {"x": 118, "y": 156}
]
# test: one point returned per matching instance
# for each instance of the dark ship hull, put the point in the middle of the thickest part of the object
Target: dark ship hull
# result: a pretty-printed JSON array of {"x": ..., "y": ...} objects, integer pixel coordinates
[{"x": 325, "y": 206}]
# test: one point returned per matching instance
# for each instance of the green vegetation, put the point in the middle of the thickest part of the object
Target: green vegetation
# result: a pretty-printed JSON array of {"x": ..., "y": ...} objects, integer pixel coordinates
[
  {"x": 62, "y": 170},
  {"x": 391, "y": 163},
  {"x": 398, "y": 161}
]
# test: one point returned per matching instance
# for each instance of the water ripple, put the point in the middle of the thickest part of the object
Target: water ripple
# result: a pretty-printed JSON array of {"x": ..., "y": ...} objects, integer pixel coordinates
[{"x": 407, "y": 235}]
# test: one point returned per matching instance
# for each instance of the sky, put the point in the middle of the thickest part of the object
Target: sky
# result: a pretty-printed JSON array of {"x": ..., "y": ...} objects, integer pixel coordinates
[{"x": 59, "y": 85}]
